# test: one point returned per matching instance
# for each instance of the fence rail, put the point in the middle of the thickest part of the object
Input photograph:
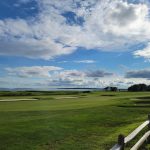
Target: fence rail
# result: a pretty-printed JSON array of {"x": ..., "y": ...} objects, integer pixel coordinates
[{"x": 122, "y": 140}]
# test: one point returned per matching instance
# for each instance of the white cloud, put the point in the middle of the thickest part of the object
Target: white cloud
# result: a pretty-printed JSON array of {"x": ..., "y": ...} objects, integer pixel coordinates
[
  {"x": 34, "y": 71},
  {"x": 52, "y": 76},
  {"x": 71, "y": 73},
  {"x": 144, "y": 52},
  {"x": 45, "y": 77},
  {"x": 85, "y": 61},
  {"x": 108, "y": 25}
]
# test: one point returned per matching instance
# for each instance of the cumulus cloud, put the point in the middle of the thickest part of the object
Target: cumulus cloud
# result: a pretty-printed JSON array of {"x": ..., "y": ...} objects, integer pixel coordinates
[
  {"x": 34, "y": 71},
  {"x": 138, "y": 74},
  {"x": 45, "y": 76},
  {"x": 61, "y": 27},
  {"x": 98, "y": 73},
  {"x": 72, "y": 73},
  {"x": 56, "y": 72},
  {"x": 144, "y": 52},
  {"x": 90, "y": 74},
  {"x": 76, "y": 78}
]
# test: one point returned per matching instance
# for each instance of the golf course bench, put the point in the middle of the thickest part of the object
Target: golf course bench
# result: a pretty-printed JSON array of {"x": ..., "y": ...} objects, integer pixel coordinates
[{"x": 122, "y": 140}]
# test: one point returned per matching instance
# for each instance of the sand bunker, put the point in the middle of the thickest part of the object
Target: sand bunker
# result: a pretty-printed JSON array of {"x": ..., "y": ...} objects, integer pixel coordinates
[
  {"x": 68, "y": 97},
  {"x": 15, "y": 100}
]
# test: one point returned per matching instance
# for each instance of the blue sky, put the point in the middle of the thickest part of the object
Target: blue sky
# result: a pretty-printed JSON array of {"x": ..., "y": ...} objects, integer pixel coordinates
[{"x": 75, "y": 43}]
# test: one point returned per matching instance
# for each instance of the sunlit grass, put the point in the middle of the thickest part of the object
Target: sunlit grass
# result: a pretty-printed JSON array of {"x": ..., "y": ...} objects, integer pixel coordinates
[{"x": 92, "y": 121}]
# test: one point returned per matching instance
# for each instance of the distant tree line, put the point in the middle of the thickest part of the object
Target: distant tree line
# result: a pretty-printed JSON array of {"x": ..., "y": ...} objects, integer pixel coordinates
[{"x": 139, "y": 87}]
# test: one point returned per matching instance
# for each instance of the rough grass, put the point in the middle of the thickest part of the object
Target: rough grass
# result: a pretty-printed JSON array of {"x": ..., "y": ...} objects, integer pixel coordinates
[{"x": 90, "y": 122}]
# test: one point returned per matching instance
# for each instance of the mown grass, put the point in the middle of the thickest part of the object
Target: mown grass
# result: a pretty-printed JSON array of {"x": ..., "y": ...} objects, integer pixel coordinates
[{"x": 92, "y": 121}]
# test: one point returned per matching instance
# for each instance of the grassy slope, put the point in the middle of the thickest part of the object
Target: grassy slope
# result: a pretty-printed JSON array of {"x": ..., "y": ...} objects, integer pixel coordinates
[{"x": 90, "y": 122}]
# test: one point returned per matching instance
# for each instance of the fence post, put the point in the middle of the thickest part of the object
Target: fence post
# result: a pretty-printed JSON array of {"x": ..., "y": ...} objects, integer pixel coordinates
[
  {"x": 121, "y": 141},
  {"x": 148, "y": 140},
  {"x": 149, "y": 121}
]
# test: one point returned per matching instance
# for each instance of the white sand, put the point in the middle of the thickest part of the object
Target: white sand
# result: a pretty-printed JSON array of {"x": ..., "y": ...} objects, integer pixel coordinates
[
  {"x": 15, "y": 100},
  {"x": 65, "y": 97}
]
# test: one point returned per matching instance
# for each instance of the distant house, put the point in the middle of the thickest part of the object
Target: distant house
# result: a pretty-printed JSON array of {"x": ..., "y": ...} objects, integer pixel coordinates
[{"x": 110, "y": 88}]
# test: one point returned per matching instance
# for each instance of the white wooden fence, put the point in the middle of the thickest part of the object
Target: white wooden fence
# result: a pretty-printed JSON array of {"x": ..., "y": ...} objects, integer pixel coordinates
[{"x": 122, "y": 140}]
